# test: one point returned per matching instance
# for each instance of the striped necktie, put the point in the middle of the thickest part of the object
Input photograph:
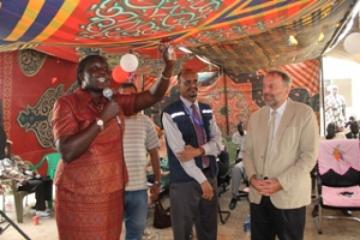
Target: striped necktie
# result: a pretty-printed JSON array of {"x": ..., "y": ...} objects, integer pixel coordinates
[{"x": 200, "y": 133}]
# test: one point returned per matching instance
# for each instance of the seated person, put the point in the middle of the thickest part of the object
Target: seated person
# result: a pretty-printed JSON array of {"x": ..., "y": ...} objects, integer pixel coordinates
[
  {"x": 31, "y": 182},
  {"x": 351, "y": 119},
  {"x": 354, "y": 131},
  {"x": 238, "y": 171},
  {"x": 332, "y": 132},
  {"x": 238, "y": 138},
  {"x": 223, "y": 163},
  {"x": 42, "y": 186},
  {"x": 238, "y": 177}
]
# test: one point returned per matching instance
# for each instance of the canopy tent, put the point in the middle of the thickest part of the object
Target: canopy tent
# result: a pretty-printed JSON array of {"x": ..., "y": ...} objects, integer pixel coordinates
[
  {"x": 340, "y": 52},
  {"x": 239, "y": 35}
]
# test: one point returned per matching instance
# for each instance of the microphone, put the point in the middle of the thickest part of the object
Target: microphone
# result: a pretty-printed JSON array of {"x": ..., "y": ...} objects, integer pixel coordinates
[{"x": 108, "y": 93}]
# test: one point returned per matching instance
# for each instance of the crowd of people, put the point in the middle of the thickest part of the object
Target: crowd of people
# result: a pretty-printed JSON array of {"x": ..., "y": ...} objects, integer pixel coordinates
[
  {"x": 335, "y": 117},
  {"x": 27, "y": 180},
  {"x": 106, "y": 144},
  {"x": 92, "y": 177},
  {"x": 109, "y": 178}
]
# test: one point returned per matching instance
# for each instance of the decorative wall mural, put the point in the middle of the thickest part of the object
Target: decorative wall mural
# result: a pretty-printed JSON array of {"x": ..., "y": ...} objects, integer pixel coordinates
[
  {"x": 38, "y": 118},
  {"x": 234, "y": 97},
  {"x": 30, "y": 61},
  {"x": 72, "y": 88}
]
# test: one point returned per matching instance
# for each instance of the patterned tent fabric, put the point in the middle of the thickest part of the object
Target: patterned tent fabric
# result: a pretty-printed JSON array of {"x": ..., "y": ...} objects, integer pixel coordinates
[
  {"x": 234, "y": 98},
  {"x": 240, "y": 35},
  {"x": 271, "y": 48}
]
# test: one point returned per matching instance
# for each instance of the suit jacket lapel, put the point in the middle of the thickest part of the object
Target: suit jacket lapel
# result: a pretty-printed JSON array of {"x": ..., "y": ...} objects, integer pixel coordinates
[
  {"x": 286, "y": 119},
  {"x": 264, "y": 121}
]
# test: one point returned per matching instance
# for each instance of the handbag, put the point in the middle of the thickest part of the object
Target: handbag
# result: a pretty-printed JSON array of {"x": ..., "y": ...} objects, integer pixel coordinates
[{"x": 161, "y": 216}]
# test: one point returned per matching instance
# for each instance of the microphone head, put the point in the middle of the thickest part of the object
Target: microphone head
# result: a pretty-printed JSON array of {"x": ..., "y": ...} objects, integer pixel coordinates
[{"x": 108, "y": 93}]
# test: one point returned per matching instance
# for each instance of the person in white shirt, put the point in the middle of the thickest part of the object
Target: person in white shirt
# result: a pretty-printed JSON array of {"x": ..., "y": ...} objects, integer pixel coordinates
[
  {"x": 193, "y": 141},
  {"x": 237, "y": 172},
  {"x": 335, "y": 108},
  {"x": 140, "y": 139},
  {"x": 238, "y": 138},
  {"x": 281, "y": 147}
]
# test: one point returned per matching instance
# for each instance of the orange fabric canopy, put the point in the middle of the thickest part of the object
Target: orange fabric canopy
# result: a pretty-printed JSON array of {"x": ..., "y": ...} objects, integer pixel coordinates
[{"x": 223, "y": 31}]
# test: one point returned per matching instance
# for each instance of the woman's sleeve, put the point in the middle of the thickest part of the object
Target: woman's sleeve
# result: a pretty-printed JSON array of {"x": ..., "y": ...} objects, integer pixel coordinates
[
  {"x": 127, "y": 103},
  {"x": 64, "y": 121}
]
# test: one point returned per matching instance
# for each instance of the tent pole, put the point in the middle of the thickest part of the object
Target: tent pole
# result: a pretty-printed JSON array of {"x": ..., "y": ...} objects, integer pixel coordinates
[
  {"x": 143, "y": 82},
  {"x": 226, "y": 101},
  {"x": 322, "y": 98}
]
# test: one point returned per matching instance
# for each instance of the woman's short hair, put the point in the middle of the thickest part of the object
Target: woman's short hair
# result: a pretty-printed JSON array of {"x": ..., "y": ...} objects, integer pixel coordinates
[{"x": 83, "y": 63}]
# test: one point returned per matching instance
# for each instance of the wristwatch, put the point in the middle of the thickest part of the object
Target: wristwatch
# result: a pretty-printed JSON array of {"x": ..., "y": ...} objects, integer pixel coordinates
[
  {"x": 157, "y": 183},
  {"x": 100, "y": 123}
]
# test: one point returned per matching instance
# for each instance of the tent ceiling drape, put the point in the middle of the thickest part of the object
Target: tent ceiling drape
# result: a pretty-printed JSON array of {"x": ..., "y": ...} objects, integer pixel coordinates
[
  {"x": 339, "y": 51},
  {"x": 239, "y": 35}
]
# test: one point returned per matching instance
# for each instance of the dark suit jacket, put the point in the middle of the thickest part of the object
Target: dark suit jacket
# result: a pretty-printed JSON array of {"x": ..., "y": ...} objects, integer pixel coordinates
[{"x": 350, "y": 135}]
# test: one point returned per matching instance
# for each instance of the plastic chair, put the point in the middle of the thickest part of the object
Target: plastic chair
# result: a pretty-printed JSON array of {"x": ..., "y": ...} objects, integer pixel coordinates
[
  {"x": 338, "y": 179},
  {"x": 52, "y": 160},
  {"x": 19, "y": 196}
]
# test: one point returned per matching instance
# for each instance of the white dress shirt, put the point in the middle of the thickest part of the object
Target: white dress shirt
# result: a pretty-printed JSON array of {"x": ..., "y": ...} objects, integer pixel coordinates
[
  {"x": 240, "y": 143},
  {"x": 272, "y": 133},
  {"x": 176, "y": 143},
  {"x": 279, "y": 113}
]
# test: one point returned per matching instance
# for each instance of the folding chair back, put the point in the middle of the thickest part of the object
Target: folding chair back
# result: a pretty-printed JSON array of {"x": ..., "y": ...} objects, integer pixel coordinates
[{"x": 338, "y": 177}]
